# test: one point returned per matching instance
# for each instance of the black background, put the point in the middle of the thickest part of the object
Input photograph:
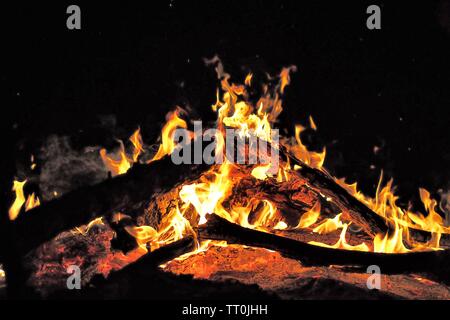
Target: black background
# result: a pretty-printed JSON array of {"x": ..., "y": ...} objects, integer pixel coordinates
[{"x": 364, "y": 88}]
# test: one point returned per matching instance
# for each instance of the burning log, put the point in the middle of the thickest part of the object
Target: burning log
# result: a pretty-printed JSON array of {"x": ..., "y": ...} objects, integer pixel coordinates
[
  {"x": 79, "y": 207},
  {"x": 433, "y": 262},
  {"x": 158, "y": 257},
  {"x": 143, "y": 279},
  {"x": 306, "y": 186},
  {"x": 360, "y": 214},
  {"x": 136, "y": 187},
  {"x": 143, "y": 267}
]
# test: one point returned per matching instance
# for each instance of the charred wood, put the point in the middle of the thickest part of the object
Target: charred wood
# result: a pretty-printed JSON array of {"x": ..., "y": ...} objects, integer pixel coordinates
[
  {"x": 433, "y": 262},
  {"x": 79, "y": 207}
]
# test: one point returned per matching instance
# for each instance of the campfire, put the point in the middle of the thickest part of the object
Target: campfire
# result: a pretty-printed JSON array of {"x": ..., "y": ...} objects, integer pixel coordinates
[{"x": 262, "y": 217}]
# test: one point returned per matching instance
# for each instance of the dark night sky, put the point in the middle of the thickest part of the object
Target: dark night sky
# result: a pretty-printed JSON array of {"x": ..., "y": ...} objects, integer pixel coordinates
[{"x": 387, "y": 87}]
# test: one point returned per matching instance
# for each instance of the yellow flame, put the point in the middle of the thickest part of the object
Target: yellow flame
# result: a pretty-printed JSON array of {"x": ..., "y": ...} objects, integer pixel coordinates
[
  {"x": 14, "y": 210},
  {"x": 433, "y": 222},
  {"x": 390, "y": 244},
  {"x": 385, "y": 204},
  {"x": 207, "y": 197},
  {"x": 248, "y": 79},
  {"x": 301, "y": 152},
  {"x": 136, "y": 140},
  {"x": 329, "y": 225},
  {"x": 310, "y": 217},
  {"x": 167, "y": 144},
  {"x": 120, "y": 163},
  {"x": 342, "y": 243},
  {"x": 261, "y": 172},
  {"x": 85, "y": 229},
  {"x": 173, "y": 226},
  {"x": 32, "y": 202}
]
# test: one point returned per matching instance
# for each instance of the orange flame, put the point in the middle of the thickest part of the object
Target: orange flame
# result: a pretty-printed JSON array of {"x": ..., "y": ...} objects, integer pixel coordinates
[{"x": 120, "y": 163}]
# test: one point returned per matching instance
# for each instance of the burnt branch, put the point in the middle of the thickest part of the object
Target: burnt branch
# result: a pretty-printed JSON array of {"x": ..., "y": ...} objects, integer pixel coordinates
[
  {"x": 81, "y": 206},
  {"x": 434, "y": 262},
  {"x": 320, "y": 181}
]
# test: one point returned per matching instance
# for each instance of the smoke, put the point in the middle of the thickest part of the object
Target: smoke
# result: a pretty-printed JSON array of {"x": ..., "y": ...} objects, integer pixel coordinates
[{"x": 64, "y": 169}]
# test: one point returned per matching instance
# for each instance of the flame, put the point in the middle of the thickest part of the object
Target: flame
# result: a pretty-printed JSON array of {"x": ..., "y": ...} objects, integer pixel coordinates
[
  {"x": 143, "y": 234},
  {"x": 116, "y": 166},
  {"x": 433, "y": 222},
  {"x": 266, "y": 218},
  {"x": 301, "y": 152},
  {"x": 342, "y": 243},
  {"x": 167, "y": 134},
  {"x": 283, "y": 172},
  {"x": 173, "y": 226},
  {"x": 385, "y": 204},
  {"x": 32, "y": 202},
  {"x": 261, "y": 172},
  {"x": 248, "y": 79},
  {"x": 207, "y": 197},
  {"x": 310, "y": 217},
  {"x": 136, "y": 141},
  {"x": 312, "y": 124},
  {"x": 390, "y": 244},
  {"x": 120, "y": 163},
  {"x": 281, "y": 225},
  {"x": 210, "y": 194},
  {"x": 285, "y": 76},
  {"x": 329, "y": 225},
  {"x": 85, "y": 229},
  {"x": 14, "y": 210}
]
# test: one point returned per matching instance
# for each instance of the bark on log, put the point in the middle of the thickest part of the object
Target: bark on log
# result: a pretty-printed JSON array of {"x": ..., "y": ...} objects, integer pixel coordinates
[
  {"x": 83, "y": 205},
  {"x": 434, "y": 262}
]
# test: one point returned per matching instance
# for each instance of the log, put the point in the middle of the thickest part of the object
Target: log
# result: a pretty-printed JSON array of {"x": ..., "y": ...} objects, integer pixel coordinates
[
  {"x": 141, "y": 182},
  {"x": 290, "y": 280},
  {"x": 140, "y": 269},
  {"x": 371, "y": 222},
  {"x": 434, "y": 262},
  {"x": 322, "y": 182},
  {"x": 159, "y": 256},
  {"x": 144, "y": 280},
  {"x": 81, "y": 206}
]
